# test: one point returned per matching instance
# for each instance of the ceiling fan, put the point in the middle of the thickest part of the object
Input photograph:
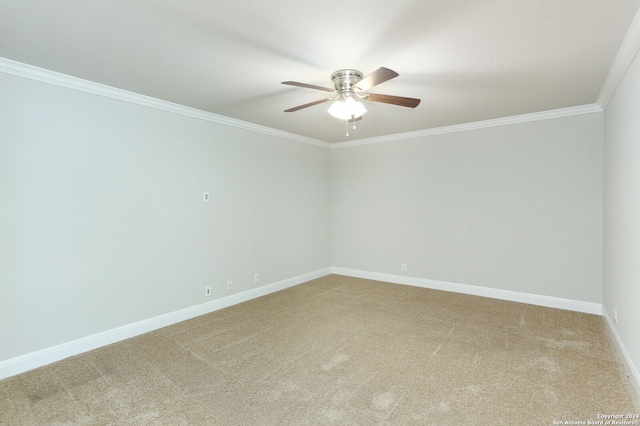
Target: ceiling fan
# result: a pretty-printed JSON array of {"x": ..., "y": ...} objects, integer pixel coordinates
[{"x": 350, "y": 88}]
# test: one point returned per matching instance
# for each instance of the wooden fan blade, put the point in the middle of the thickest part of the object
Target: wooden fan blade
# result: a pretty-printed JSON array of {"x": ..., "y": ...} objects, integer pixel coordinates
[
  {"x": 395, "y": 100},
  {"x": 299, "y": 107},
  {"x": 378, "y": 76},
  {"x": 308, "y": 86}
]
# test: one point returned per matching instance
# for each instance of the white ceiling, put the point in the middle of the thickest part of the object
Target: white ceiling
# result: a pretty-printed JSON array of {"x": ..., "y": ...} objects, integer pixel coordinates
[{"x": 467, "y": 60}]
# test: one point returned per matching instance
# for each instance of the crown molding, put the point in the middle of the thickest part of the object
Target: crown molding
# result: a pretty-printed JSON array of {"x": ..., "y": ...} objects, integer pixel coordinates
[
  {"x": 19, "y": 69},
  {"x": 9, "y": 66},
  {"x": 626, "y": 54},
  {"x": 516, "y": 119}
]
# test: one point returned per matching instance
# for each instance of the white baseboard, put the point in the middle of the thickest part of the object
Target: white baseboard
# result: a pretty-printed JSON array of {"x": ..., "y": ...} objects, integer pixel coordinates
[
  {"x": 36, "y": 359},
  {"x": 493, "y": 293},
  {"x": 533, "y": 299},
  {"x": 628, "y": 363},
  {"x": 52, "y": 354}
]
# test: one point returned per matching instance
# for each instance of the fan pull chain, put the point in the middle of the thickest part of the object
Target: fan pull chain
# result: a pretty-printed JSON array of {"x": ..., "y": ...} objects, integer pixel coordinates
[{"x": 353, "y": 118}]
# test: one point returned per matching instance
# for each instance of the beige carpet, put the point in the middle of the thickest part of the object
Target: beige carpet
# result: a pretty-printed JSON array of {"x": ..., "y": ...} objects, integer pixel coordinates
[{"x": 340, "y": 350}]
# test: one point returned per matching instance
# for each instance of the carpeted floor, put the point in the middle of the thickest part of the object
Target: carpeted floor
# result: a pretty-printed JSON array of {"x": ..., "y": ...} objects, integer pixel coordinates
[{"x": 340, "y": 350}]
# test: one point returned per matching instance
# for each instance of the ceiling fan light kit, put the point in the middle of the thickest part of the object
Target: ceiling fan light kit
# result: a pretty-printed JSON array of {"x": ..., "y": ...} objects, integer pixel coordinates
[
  {"x": 347, "y": 109},
  {"x": 350, "y": 87}
]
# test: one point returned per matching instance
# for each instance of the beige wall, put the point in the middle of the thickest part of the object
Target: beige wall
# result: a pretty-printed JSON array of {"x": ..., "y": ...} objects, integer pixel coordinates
[
  {"x": 516, "y": 207},
  {"x": 102, "y": 222},
  {"x": 622, "y": 212}
]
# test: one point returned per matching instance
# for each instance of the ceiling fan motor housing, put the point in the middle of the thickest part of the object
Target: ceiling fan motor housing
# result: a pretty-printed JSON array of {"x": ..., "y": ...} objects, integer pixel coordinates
[{"x": 345, "y": 80}]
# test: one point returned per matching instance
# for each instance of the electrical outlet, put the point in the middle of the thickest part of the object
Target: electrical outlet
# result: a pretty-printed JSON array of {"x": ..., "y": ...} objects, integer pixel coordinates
[
  {"x": 615, "y": 315},
  {"x": 229, "y": 284},
  {"x": 256, "y": 278},
  {"x": 404, "y": 267},
  {"x": 207, "y": 291}
]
